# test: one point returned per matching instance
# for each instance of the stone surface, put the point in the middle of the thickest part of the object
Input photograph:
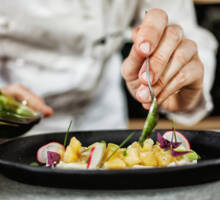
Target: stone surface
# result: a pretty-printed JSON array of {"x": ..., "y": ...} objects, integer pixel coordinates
[{"x": 12, "y": 190}]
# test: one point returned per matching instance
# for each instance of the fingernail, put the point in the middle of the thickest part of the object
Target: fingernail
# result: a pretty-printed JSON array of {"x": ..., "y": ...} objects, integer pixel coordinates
[
  {"x": 147, "y": 106},
  {"x": 144, "y": 95},
  {"x": 145, "y": 47},
  {"x": 144, "y": 77}
]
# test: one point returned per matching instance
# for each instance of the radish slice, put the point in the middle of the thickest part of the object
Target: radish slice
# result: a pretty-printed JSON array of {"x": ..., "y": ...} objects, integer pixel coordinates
[
  {"x": 96, "y": 155},
  {"x": 180, "y": 138},
  {"x": 90, "y": 156},
  {"x": 42, "y": 151}
]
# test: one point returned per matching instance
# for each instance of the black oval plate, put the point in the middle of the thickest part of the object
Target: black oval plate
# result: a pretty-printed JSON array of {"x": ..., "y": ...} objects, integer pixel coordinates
[{"x": 16, "y": 155}]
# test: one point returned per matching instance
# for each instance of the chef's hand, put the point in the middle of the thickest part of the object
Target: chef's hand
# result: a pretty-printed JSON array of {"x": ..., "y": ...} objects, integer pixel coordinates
[
  {"x": 20, "y": 93},
  {"x": 175, "y": 68}
]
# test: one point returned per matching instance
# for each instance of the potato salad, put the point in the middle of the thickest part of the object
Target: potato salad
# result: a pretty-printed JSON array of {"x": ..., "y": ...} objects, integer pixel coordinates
[{"x": 169, "y": 150}]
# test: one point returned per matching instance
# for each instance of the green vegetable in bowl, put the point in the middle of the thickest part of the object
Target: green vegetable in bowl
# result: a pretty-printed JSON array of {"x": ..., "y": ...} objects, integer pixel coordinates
[
  {"x": 12, "y": 111},
  {"x": 192, "y": 156},
  {"x": 8, "y": 104}
]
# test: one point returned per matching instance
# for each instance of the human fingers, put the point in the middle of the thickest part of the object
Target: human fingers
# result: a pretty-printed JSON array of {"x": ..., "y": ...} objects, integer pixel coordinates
[
  {"x": 130, "y": 69},
  {"x": 150, "y": 32},
  {"x": 190, "y": 78},
  {"x": 172, "y": 37},
  {"x": 184, "y": 90},
  {"x": 141, "y": 34},
  {"x": 134, "y": 33},
  {"x": 182, "y": 55},
  {"x": 22, "y": 94},
  {"x": 154, "y": 23}
]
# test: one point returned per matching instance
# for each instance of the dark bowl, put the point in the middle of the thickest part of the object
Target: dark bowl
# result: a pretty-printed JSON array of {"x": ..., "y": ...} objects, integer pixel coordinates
[
  {"x": 16, "y": 129},
  {"x": 17, "y": 154}
]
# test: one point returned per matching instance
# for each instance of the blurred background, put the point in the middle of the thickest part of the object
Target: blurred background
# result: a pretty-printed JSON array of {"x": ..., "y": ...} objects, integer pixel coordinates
[{"x": 208, "y": 16}]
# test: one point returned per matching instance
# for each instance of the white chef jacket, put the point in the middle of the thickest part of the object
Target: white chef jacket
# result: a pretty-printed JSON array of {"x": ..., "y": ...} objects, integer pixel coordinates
[{"x": 55, "y": 48}]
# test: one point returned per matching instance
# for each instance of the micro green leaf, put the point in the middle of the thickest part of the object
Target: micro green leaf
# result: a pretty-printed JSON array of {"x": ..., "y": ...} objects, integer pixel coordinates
[
  {"x": 67, "y": 134},
  {"x": 166, "y": 144},
  {"x": 53, "y": 158},
  {"x": 121, "y": 145},
  {"x": 174, "y": 131},
  {"x": 178, "y": 153},
  {"x": 34, "y": 164},
  {"x": 125, "y": 153}
]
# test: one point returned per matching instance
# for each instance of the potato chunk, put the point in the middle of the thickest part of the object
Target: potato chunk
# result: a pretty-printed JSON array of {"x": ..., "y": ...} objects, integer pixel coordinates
[
  {"x": 164, "y": 158},
  {"x": 109, "y": 150},
  {"x": 72, "y": 151},
  {"x": 115, "y": 163},
  {"x": 61, "y": 152},
  {"x": 148, "y": 159},
  {"x": 132, "y": 157},
  {"x": 148, "y": 145}
]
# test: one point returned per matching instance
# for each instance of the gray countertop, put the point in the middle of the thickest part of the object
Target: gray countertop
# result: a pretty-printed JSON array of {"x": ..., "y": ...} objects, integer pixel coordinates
[{"x": 12, "y": 190}]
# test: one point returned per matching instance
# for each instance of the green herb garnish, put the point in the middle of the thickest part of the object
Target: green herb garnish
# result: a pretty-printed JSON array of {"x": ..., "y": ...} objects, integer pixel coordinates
[
  {"x": 174, "y": 131},
  {"x": 192, "y": 155},
  {"x": 125, "y": 153},
  {"x": 121, "y": 145},
  {"x": 67, "y": 134},
  {"x": 85, "y": 150},
  {"x": 34, "y": 164}
]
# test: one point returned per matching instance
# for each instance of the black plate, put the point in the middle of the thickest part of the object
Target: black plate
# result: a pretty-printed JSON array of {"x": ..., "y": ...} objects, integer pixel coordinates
[{"x": 15, "y": 156}]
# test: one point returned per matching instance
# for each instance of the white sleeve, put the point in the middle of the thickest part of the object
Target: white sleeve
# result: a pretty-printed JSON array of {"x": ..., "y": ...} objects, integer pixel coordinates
[{"x": 182, "y": 12}]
